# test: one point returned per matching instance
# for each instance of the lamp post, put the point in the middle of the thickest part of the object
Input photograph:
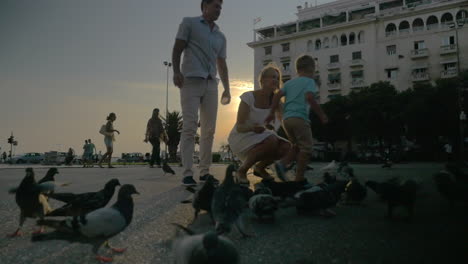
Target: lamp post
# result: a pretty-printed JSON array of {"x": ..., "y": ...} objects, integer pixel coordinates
[
  {"x": 459, "y": 23},
  {"x": 168, "y": 65}
]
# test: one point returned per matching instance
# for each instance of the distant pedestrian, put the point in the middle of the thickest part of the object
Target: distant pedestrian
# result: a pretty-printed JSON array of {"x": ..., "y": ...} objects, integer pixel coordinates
[
  {"x": 154, "y": 131},
  {"x": 69, "y": 157},
  {"x": 109, "y": 139},
  {"x": 90, "y": 151},
  {"x": 448, "y": 151},
  {"x": 4, "y": 157},
  {"x": 299, "y": 93},
  {"x": 84, "y": 157},
  {"x": 204, "y": 48}
]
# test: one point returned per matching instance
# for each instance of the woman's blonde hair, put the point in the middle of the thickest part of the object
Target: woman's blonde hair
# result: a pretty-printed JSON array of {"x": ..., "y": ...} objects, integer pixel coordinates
[{"x": 270, "y": 67}]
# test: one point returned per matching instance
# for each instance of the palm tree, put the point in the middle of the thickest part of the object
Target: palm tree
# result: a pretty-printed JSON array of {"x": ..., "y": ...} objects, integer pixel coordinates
[{"x": 173, "y": 126}]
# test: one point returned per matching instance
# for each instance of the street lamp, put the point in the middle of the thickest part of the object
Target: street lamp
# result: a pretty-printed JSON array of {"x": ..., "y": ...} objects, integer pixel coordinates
[
  {"x": 168, "y": 65},
  {"x": 459, "y": 23}
]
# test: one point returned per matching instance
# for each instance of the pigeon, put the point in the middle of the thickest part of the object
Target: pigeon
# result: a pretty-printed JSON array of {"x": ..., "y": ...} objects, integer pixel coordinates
[
  {"x": 203, "y": 198},
  {"x": 284, "y": 189},
  {"x": 204, "y": 248},
  {"x": 451, "y": 188},
  {"x": 263, "y": 206},
  {"x": 48, "y": 182},
  {"x": 50, "y": 176},
  {"x": 79, "y": 204},
  {"x": 229, "y": 204},
  {"x": 355, "y": 192},
  {"x": 261, "y": 188},
  {"x": 31, "y": 201},
  {"x": 396, "y": 194},
  {"x": 314, "y": 199},
  {"x": 167, "y": 169},
  {"x": 96, "y": 227}
]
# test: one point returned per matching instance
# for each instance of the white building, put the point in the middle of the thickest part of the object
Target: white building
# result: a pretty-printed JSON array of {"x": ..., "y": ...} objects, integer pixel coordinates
[{"x": 357, "y": 42}]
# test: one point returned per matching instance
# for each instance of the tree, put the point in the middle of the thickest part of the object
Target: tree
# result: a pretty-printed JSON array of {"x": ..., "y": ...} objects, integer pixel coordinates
[{"x": 173, "y": 126}]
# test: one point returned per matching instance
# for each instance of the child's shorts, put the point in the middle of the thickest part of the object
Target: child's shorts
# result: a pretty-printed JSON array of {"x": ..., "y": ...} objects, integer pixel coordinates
[{"x": 299, "y": 133}]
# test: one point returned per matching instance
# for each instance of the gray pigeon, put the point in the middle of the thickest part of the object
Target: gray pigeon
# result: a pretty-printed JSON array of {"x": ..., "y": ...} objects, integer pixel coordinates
[
  {"x": 48, "y": 182},
  {"x": 207, "y": 248},
  {"x": 79, "y": 204},
  {"x": 96, "y": 227},
  {"x": 31, "y": 201},
  {"x": 230, "y": 201},
  {"x": 263, "y": 206},
  {"x": 203, "y": 197}
]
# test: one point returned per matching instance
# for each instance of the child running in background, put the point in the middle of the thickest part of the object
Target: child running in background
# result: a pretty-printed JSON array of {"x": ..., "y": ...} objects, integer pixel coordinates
[{"x": 299, "y": 93}]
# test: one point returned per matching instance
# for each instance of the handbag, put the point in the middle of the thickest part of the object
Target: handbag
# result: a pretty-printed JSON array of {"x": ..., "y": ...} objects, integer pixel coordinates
[{"x": 103, "y": 130}]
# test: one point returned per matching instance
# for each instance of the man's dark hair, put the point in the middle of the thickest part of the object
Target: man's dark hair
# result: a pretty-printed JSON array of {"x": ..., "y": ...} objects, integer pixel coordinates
[
  {"x": 156, "y": 109},
  {"x": 207, "y": 2}
]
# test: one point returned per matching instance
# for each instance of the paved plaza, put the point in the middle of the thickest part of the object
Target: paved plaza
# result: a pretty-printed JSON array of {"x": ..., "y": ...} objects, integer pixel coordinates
[{"x": 358, "y": 234}]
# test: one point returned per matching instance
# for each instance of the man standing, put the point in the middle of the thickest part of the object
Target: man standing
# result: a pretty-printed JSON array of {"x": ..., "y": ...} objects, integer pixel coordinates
[
  {"x": 154, "y": 130},
  {"x": 91, "y": 152},
  {"x": 204, "y": 47}
]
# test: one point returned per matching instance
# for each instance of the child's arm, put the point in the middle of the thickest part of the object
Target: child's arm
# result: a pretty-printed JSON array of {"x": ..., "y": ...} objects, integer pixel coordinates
[
  {"x": 316, "y": 107},
  {"x": 274, "y": 105}
]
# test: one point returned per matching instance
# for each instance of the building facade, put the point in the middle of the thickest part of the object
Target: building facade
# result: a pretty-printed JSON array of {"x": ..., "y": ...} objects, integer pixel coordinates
[{"x": 357, "y": 43}]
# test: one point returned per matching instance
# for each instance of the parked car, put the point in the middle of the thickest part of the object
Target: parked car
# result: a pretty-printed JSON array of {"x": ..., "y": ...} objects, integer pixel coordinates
[
  {"x": 132, "y": 157},
  {"x": 54, "y": 158},
  {"x": 31, "y": 157}
]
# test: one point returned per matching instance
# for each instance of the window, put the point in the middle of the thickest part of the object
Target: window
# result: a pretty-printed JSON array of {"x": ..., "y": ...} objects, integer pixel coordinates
[
  {"x": 334, "y": 58},
  {"x": 352, "y": 38},
  {"x": 318, "y": 44},
  {"x": 419, "y": 45},
  {"x": 344, "y": 40},
  {"x": 286, "y": 66},
  {"x": 392, "y": 74},
  {"x": 334, "y": 42},
  {"x": 334, "y": 78},
  {"x": 357, "y": 55},
  {"x": 449, "y": 66},
  {"x": 267, "y": 50},
  {"x": 326, "y": 43},
  {"x": 357, "y": 75},
  {"x": 266, "y": 62},
  {"x": 285, "y": 47},
  {"x": 449, "y": 40},
  {"x": 391, "y": 50}
]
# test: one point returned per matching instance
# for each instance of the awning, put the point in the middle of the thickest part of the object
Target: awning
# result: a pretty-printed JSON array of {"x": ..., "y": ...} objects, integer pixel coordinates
[{"x": 449, "y": 61}]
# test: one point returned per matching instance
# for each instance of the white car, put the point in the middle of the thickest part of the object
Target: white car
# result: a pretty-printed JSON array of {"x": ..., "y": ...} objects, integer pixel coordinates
[{"x": 31, "y": 157}]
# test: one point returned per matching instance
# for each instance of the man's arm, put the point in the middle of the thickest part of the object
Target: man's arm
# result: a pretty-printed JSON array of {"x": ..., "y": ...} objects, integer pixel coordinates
[
  {"x": 223, "y": 74},
  {"x": 177, "y": 50}
]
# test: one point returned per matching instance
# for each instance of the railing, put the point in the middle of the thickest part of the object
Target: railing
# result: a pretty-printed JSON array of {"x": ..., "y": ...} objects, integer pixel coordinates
[
  {"x": 333, "y": 65},
  {"x": 390, "y": 33},
  {"x": 357, "y": 83},
  {"x": 404, "y": 31},
  {"x": 419, "y": 52},
  {"x": 356, "y": 62},
  {"x": 334, "y": 86},
  {"x": 421, "y": 76},
  {"x": 449, "y": 73},
  {"x": 448, "y": 48},
  {"x": 418, "y": 28}
]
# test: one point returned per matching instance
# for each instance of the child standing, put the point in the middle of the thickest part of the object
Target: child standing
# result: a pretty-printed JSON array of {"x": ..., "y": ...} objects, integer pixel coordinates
[{"x": 299, "y": 94}]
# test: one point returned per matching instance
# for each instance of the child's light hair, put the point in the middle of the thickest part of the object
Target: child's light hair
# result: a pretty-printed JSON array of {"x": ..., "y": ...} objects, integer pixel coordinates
[
  {"x": 305, "y": 63},
  {"x": 268, "y": 68}
]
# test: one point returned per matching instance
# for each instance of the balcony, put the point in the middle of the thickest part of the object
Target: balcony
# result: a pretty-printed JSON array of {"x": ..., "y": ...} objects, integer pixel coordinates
[
  {"x": 334, "y": 86},
  {"x": 419, "y": 77},
  {"x": 449, "y": 73},
  {"x": 334, "y": 65},
  {"x": 448, "y": 49},
  {"x": 356, "y": 83},
  {"x": 356, "y": 63},
  {"x": 419, "y": 53}
]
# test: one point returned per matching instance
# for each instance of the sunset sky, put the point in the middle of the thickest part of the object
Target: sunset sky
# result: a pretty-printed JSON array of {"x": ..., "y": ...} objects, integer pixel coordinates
[{"x": 65, "y": 65}]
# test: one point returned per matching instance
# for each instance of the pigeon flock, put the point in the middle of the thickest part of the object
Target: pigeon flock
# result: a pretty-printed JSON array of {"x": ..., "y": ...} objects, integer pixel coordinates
[{"x": 86, "y": 218}]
